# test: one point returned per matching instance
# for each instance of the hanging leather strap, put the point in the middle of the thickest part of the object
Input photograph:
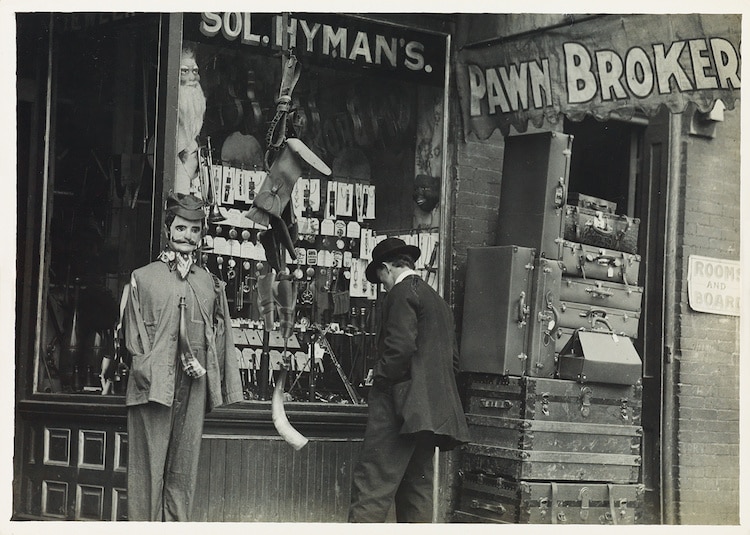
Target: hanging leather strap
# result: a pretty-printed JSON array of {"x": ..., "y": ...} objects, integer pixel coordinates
[
  {"x": 553, "y": 502},
  {"x": 612, "y": 512},
  {"x": 276, "y": 135},
  {"x": 290, "y": 72}
]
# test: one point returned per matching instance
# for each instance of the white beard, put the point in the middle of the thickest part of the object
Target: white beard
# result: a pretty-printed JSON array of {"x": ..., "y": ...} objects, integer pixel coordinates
[{"x": 191, "y": 108}]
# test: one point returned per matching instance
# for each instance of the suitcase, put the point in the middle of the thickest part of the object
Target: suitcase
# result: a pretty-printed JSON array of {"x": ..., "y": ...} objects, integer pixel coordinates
[
  {"x": 581, "y": 316},
  {"x": 543, "y": 318},
  {"x": 533, "y": 192},
  {"x": 552, "y": 436},
  {"x": 562, "y": 335},
  {"x": 591, "y": 262},
  {"x": 599, "y": 357},
  {"x": 592, "y": 203},
  {"x": 497, "y": 297},
  {"x": 601, "y": 229},
  {"x": 552, "y": 400},
  {"x": 602, "y": 293},
  {"x": 535, "y": 465},
  {"x": 488, "y": 498}
]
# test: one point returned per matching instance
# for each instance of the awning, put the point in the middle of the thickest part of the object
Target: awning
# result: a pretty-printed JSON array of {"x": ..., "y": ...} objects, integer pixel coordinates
[{"x": 609, "y": 67}]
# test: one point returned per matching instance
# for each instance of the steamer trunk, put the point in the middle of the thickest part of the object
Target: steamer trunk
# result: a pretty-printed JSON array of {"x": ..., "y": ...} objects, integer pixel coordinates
[
  {"x": 552, "y": 400},
  {"x": 486, "y": 498},
  {"x": 495, "y": 334},
  {"x": 519, "y": 465},
  {"x": 533, "y": 193},
  {"x": 535, "y": 435}
]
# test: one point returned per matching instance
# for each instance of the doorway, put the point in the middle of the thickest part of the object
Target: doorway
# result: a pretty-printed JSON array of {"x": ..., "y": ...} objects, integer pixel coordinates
[{"x": 625, "y": 162}]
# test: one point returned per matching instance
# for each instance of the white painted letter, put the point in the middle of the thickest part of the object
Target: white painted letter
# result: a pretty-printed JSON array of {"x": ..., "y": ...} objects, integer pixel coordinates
[
  {"x": 495, "y": 94},
  {"x": 609, "y": 65},
  {"x": 478, "y": 89},
  {"x": 309, "y": 33},
  {"x": 727, "y": 64},
  {"x": 248, "y": 37},
  {"x": 638, "y": 72},
  {"x": 700, "y": 64},
  {"x": 382, "y": 47},
  {"x": 579, "y": 79},
  {"x": 668, "y": 66},
  {"x": 210, "y": 23},
  {"x": 414, "y": 58},
  {"x": 540, "y": 80},
  {"x": 361, "y": 47},
  {"x": 333, "y": 39}
]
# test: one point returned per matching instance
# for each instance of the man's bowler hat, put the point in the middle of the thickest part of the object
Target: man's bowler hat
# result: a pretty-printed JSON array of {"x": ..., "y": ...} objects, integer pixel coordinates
[{"x": 386, "y": 250}]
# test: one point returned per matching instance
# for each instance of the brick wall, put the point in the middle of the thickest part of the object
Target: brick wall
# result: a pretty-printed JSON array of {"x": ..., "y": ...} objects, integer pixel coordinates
[
  {"x": 478, "y": 172},
  {"x": 707, "y": 388}
]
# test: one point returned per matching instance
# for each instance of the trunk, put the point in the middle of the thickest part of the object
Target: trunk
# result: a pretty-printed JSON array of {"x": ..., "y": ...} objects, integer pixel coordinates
[{"x": 484, "y": 498}]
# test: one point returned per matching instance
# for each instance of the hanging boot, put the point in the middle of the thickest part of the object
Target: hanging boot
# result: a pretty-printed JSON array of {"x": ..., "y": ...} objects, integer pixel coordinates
[{"x": 265, "y": 299}]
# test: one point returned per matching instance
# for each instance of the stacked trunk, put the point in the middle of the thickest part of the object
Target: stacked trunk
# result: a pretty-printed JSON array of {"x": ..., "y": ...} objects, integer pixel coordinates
[{"x": 553, "y": 397}]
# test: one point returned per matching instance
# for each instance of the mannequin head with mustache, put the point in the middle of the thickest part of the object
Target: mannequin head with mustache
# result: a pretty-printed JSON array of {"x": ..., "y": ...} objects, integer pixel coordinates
[{"x": 183, "y": 235}]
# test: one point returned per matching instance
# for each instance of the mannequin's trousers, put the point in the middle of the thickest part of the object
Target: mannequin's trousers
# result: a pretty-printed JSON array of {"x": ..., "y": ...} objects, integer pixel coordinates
[{"x": 163, "y": 451}]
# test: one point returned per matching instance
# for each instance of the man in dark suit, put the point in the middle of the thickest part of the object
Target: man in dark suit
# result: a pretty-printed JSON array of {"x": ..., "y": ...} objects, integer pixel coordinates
[{"x": 414, "y": 405}]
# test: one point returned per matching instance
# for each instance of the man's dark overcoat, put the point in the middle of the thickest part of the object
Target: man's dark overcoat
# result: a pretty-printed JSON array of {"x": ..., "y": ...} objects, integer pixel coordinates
[{"x": 419, "y": 357}]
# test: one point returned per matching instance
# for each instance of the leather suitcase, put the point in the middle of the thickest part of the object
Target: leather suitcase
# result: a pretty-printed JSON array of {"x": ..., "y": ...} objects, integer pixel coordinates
[
  {"x": 591, "y": 262},
  {"x": 543, "y": 318},
  {"x": 601, "y": 294},
  {"x": 495, "y": 329},
  {"x": 581, "y": 316},
  {"x": 592, "y": 203},
  {"x": 562, "y": 335},
  {"x": 533, "y": 192},
  {"x": 552, "y": 400},
  {"x": 601, "y": 229},
  {"x": 599, "y": 357},
  {"x": 552, "y": 436},
  {"x": 535, "y": 465},
  {"x": 492, "y": 499}
]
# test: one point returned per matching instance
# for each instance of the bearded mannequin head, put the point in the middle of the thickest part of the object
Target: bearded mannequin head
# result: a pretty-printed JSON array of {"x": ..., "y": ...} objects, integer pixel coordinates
[{"x": 191, "y": 110}]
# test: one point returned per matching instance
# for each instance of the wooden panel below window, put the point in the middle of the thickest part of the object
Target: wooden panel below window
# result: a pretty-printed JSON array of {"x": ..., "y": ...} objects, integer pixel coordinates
[
  {"x": 89, "y": 502},
  {"x": 262, "y": 479},
  {"x": 54, "y": 498}
]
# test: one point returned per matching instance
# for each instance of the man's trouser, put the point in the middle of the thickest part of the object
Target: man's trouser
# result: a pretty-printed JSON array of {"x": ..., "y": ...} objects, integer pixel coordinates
[
  {"x": 163, "y": 450},
  {"x": 392, "y": 468}
]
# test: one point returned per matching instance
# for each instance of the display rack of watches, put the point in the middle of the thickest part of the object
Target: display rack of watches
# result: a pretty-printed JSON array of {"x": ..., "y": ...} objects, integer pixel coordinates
[{"x": 336, "y": 308}]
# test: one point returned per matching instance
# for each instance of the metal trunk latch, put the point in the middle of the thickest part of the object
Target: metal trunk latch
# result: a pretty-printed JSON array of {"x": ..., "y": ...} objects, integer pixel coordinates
[
  {"x": 543, "y": 504},
  {"x": 523, "y": 310},
  {"x": 624, "y": 409},
  {"x": 583, "y": 497},
  {"x": 623, "y": 508},
  {"x": 560, "y": 197},
  {"x": 492, "y": 507},
  {"x": 585, "y": 398},
  {"x": 545, "y": 404}
]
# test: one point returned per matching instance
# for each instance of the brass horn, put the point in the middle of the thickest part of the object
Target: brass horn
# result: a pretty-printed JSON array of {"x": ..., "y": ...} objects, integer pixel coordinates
[{"x": 209, "y": 187}]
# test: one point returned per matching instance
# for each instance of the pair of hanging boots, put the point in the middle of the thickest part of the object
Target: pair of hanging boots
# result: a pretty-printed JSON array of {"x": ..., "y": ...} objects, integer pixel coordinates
[{"x": 277, "y": 294}]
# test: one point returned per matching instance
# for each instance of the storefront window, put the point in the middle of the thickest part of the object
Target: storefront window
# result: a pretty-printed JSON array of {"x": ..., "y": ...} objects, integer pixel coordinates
[
  {"x": 369, "y": 101},
  {"x": 97, "y": 225}
]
